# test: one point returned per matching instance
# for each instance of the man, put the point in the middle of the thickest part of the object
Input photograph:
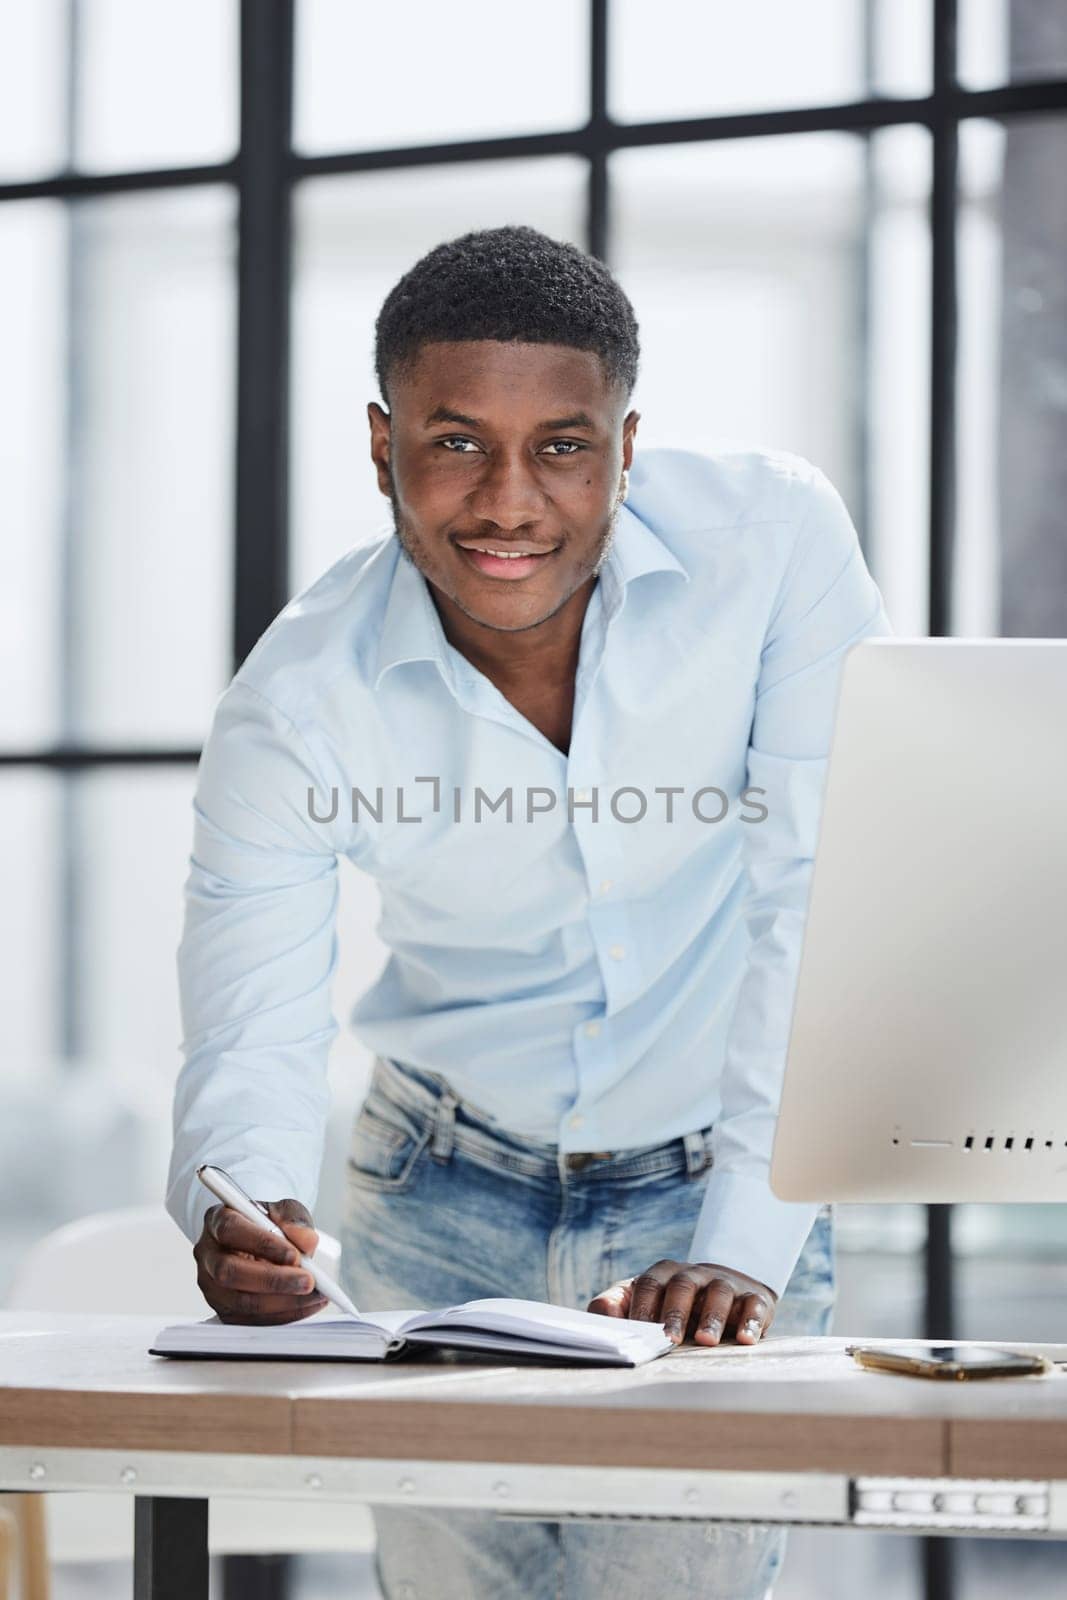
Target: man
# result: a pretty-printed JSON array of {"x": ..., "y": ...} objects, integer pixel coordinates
[{"x": 574, "y": 720}]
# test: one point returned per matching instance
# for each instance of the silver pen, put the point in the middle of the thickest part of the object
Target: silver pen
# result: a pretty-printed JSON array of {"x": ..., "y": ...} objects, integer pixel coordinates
[{"x": 229, "y": 1191}]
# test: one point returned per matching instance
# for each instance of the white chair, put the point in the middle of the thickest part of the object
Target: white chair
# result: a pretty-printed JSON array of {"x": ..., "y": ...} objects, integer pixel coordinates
[{"x": 74, "y": 1269}]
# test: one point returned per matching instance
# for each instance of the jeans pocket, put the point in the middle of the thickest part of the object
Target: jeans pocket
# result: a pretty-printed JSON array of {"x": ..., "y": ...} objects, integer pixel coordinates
[{"x": 386, "y": 1144}]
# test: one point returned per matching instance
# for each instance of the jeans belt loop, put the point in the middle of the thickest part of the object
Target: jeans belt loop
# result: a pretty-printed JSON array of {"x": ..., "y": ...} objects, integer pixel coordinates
[
  {"x": 444, "y": 1127},
  {"x": 696, "y": 1155}
]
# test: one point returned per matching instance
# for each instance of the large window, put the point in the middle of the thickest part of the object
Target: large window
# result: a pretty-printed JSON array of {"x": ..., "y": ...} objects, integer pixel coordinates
[
  {"x": 842, "y": 225},
  {"x": 119, "y": 206}
]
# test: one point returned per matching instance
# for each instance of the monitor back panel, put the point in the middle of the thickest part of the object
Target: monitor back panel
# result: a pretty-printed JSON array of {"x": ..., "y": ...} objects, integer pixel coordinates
[{"x": 927, "y": 1056}]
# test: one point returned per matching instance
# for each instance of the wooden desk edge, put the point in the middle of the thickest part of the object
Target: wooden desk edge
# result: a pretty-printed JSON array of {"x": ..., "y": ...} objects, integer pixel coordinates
[
  {"x": 379, "y": 1428},
  {"x": 130, "y": 1420},
  {"x": 564, "y": 1435},
  {"x": 1007, "y": 1448}
]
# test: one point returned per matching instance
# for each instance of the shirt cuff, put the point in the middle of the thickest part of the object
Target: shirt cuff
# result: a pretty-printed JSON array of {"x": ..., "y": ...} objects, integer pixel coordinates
[{"x": 743, "y": 1225}]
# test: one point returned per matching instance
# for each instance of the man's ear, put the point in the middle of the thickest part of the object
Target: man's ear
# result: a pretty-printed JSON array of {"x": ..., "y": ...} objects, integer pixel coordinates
[
  {"x": 380, "y": 423},
  {"x": 629, "y": 429}
]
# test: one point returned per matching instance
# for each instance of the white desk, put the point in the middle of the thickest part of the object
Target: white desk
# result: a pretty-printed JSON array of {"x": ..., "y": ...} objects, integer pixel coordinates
[{"x": 789, "y": 1431}]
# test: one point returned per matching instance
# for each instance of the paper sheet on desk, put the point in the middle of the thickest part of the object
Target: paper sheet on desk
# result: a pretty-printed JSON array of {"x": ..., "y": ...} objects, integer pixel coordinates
[
  {"x": 774, "y": 1360},
  {"x": 790, "y": 1359}
]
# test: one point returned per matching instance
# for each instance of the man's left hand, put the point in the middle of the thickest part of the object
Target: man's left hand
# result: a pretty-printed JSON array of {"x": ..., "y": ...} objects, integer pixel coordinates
[{"x": 694, "y": 1297}]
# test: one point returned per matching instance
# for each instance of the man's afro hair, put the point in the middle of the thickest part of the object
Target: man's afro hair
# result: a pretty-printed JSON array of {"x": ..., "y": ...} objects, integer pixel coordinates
[{"x": 508, "y": 283}]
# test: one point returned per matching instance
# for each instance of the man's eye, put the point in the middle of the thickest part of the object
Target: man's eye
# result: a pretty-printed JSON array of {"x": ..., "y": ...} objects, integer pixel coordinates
[{"x": 455, "y": 445}]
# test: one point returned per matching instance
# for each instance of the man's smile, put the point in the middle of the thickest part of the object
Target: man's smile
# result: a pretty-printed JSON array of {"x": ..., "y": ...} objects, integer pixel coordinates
[{"x": 504, "y": 560}]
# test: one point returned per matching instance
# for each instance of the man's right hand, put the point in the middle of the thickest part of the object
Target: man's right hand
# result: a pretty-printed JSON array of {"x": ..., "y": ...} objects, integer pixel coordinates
[{"x": 247, "y": 1275}]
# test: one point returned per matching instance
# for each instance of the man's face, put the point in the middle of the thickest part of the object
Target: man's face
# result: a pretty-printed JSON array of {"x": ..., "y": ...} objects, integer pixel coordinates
[{"x": 508, "y": 447}]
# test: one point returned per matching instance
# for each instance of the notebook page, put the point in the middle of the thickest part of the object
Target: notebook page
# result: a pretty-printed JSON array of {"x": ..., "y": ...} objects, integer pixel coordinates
[
  {"x": 488, "y": 1343},
  {"x": 548, "y": 1324},
  {"x": 322, "y": 1334}
]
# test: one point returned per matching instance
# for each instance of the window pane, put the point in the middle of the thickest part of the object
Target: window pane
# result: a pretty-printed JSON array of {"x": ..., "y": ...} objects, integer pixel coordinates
[
  {"x": 93, "y": 868},
  {"x": 897, "y": 443},
  {"x": 157, "y": 84},
  {"x": 693, "y": 58},
  {"x": 354, "y": 238},
  {"x": 976, "y": 596},
  {"x": 1004, "y": 41},
  {"x": 134, "y": 831},
  {"x": 880, "y": 1271},
  {"x": 741, "y": 260},
  {"x": 33, "y": 122},
  {"x": 115, "y": 466},
  {"x": 1011, "y": 1273},
  {"x": 422, "y": 73},
  {"x": 1011, "y": 557},
  {"x": 781, "y": 288},
  {"x": 31, "y": 862},
  {"x": 900, "y": 47},
  {"x": 33, "y": 258},
  {"x": 152, "y": 444}
]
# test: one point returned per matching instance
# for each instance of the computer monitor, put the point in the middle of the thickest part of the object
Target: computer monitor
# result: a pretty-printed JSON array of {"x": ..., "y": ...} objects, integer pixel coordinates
[{"x": 927, "y": 1056}]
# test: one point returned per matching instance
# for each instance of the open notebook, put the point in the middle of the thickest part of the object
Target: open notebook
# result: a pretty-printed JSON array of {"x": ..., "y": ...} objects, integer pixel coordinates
[{"x": 493, "y": 1327}]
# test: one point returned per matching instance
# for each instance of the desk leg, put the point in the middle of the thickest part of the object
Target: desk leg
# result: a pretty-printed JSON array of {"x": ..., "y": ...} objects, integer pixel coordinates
[
  {"x": 939, "y": 1567},
  {"x": 169, "y": 1549}
]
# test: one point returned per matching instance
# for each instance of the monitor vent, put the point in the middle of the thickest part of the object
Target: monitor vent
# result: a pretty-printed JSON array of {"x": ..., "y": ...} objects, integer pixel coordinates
[
  {"x": 1002, "y": 1142},
  {"x": 1008, "y": 1141}
]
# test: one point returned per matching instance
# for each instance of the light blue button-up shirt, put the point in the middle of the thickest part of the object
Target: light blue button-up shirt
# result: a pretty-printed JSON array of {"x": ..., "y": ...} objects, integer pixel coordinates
[{"x": 612, "y": 964}]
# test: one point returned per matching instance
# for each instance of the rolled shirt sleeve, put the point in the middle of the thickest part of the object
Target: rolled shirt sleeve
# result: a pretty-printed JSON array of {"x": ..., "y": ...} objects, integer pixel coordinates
[
  {"x": 827, "y": 602},
  {"x": 255, "y": 962}
]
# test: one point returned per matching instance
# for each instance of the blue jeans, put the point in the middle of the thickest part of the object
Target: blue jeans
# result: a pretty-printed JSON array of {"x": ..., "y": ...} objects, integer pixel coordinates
[{"x": 444, "y": 1206}]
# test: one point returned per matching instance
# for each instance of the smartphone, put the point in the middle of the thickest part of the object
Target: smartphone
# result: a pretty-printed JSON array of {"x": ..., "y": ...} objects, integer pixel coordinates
[{"x": 949, "y": 1361}]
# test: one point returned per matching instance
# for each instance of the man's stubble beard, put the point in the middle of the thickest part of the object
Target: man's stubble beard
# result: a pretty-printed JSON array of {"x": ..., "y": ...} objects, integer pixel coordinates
[{"x": 411, "y": 548}]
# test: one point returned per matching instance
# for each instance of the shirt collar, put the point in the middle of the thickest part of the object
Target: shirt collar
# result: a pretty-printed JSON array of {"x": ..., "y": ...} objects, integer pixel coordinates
[
  {"x": 635, "y": 551},
  {"x": 411, "y": 628}
]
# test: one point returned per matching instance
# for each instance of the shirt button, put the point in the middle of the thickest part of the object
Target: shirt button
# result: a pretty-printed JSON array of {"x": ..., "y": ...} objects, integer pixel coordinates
[
  {"x": 583, "y": 794},
  {"x": 607, "y": 884},
  {"x": 592, "y": 1029},
  {"x": 577, "y": 1121},
  {"x": 617, "y": 952}
]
